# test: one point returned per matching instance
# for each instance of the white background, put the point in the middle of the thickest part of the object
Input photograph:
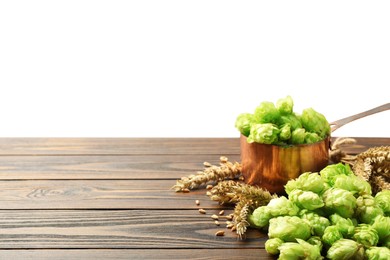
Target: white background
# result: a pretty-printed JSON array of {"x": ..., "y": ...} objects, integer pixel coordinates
[{"x": 187, "y": 68}]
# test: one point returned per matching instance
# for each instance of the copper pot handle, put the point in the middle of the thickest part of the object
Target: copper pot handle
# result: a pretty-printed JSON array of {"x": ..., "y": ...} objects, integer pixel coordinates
[{"x": 339, "y": 123}]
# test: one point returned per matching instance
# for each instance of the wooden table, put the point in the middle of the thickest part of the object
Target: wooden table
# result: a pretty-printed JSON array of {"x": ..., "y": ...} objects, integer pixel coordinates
[{"x": 110, "y": 198}]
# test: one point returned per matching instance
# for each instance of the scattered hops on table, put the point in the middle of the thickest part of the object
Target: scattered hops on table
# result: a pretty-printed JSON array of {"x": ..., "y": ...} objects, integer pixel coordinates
[{"x": 331, "y": 213}]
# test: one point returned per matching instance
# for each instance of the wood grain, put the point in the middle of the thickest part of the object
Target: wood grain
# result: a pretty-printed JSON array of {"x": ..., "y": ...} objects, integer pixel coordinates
[
  {"x": 139, "y": 146},
  {"x": 116, "y": 146},
  {"x": 138, "y": 254},
  {"x": 110, "y": 198},
  {"x": 117, "y": 229},
  {"x": 363, "y": 143},
  {"x": 103, "y": 167},
  {"x": 98, "y": 194}
]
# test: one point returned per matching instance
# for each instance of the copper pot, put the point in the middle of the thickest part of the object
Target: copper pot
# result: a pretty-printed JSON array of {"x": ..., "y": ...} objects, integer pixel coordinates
[{"x": 271, "y": 166}]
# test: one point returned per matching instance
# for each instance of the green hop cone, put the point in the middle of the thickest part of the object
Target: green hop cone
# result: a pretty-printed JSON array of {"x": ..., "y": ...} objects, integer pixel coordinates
[
  {"x": 382, "y": 226},
  {"x": 288, "y": 228},
  {"x": 317, "y": 223},
  {"x": 281, "y": 206},
  {"x": 291, "y": 119},
  {"x": 311, "y": 138},
  {"x": 386, "y": 242},
  {"x": 344, "y": 249},
  {"x": 285, "y": 132},
  {"x": 300, "y": 250},
  {"x": 378, "y": 253},
  {"x": 306, "y": 182},
  {"x": 260, "y": 217},
  {"x": 285, "y": 105},
  {"x": 382, "y": 199},
  {"x": 315, "y": 122},
  {"x": 272, "y": 245},
  {"x": 306, "y": 199},
  {"x": 243, "y": 123},
  {"x": 316, "y": 241},
  {"x": 331, "y": 172},
  {"x": 344, "y": 225},
  {"x": 266, "y": 112},
  {"x": 263, "y": 133},
  {"x": 292, "y": 128},
  {"x": 339, "y": 201},
  {"x": 367, "y": 210},
  {"x": 291, "y": 251},
  {"x": 352, "y": 183},
  {"x": 298, "y": 136},
  {"x": 331, "y": 235},
  {"x": 366, "y": 235}
]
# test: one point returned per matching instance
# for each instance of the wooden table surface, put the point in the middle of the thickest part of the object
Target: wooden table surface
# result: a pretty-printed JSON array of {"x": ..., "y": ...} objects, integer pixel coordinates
[{"x": 110, "y": 198}]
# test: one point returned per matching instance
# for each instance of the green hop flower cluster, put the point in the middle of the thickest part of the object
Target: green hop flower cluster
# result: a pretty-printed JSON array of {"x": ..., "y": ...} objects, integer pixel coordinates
[
  {"x": 330, "y": 214},
  {"x": 279, "y": 125}
]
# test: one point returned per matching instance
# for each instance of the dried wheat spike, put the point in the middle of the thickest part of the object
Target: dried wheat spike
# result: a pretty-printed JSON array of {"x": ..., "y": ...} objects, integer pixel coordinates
[
  {"x": 374, "y": 166},
  {"x": 337, "y": 154},
  {"x": 380, "y": 183},
  {"x": 226, "y": 170},
  {"x": 233, "y": 192},
  {"x": 246, "y": 197},
  {"x": 241, "y": 212}
]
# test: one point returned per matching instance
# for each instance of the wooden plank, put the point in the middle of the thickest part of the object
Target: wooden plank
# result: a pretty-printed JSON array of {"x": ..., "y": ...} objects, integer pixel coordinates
[
  {"x": 135, "y": 254},
  {"x": 103, "y": 167},
  {"x": 363, "y": 143},
  {"x": 117, "y": 229},
  {"x": 98, "y": 194},
  {"x": 139, "y": 146},
  {"x": 114, "y": 146}
]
